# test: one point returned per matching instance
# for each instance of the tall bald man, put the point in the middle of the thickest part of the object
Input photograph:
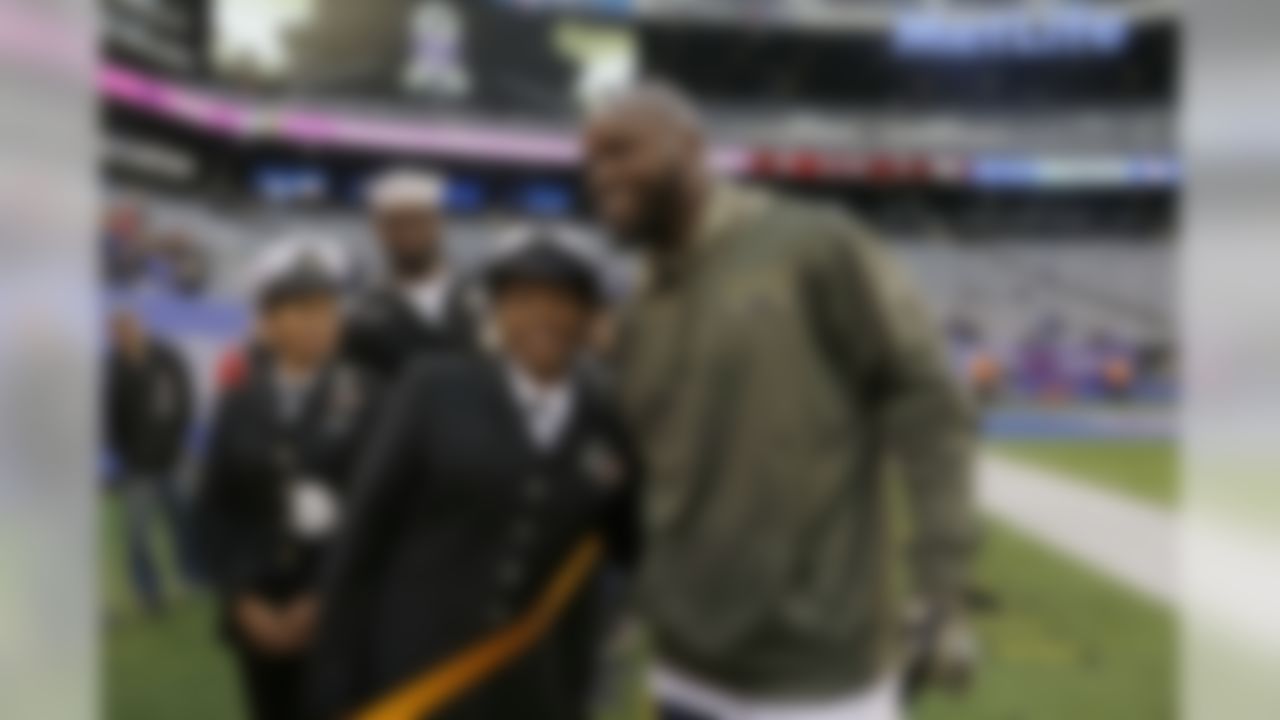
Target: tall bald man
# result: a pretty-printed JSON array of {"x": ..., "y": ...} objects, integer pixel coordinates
[
  {"x": 419, "y": 307},
  {"x": 773, "y": 366}
]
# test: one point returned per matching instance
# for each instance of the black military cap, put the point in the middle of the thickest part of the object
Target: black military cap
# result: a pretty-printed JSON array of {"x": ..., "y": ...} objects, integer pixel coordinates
[{"x": 546, "y": 257}]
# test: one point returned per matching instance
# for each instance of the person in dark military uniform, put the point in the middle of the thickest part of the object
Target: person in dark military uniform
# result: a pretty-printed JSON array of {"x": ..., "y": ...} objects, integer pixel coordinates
[
  {"x": 422, "y": 306},
  {"x": 283, "y": 439},
  {"x": 464, "y": 584}
]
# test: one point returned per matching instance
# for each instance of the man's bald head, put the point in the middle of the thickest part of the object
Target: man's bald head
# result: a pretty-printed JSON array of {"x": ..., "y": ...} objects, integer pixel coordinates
[
  {"x": 653, "y": 101},
  {"x": 644, "y": 155}
]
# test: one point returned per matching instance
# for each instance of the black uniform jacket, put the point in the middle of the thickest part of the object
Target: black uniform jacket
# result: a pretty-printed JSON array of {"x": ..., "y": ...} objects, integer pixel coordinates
[
  {"x": 148, "y": 408},
  {"x": 458, "y": 523},
  {"x": 384, "y": 332},
  {"x": 256, "y": 451}
]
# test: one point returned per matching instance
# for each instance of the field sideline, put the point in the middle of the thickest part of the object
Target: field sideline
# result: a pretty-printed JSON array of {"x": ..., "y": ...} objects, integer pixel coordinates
[
  {"x": 1060, "y": 643},
  {"x": 1146, "y": 470}
]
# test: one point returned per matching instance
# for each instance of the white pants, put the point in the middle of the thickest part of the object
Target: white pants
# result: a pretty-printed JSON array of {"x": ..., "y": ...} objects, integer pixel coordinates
[{"x": 879, "y": 701}]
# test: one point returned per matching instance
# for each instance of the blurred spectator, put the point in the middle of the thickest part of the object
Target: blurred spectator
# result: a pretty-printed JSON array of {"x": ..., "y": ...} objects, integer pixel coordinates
[
  {"x": 232, "y": 367},
  {"x": 1111, "y": 371},
  {"x": 234, "y": 363},
  {"x": 148, "y": 411},
  {"x": 985, "y": 375},
  {"x": 1156, "y": 367},
  {"x": 186, "y": 263},
  {"x": 1040, "y": 362},
  {"x": 132, "y": 254},
  {"x": 972, "y": 360},
  {"x": 124, "y": 245}
]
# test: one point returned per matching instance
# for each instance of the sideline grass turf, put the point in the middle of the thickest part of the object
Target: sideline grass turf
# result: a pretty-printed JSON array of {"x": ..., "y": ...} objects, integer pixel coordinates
[
  {"x": 1063, "y": 643},
  {"x": 160, "y": 668}
]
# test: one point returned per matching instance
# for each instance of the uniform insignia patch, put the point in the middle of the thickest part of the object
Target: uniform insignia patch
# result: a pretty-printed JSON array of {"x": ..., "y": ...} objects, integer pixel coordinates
[{"x": 601, "y": 465}]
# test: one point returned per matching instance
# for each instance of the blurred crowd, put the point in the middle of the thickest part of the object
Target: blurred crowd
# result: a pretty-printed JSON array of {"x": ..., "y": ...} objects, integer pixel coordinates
[
  {"x": 1051, "y": 361},
  {"x": 136, "y": 254},
  {"x": 1052, "y": 367}
]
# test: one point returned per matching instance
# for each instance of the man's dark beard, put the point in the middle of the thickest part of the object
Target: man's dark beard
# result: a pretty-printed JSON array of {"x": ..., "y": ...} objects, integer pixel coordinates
[
  {"x": 410, "y": 266},
  {"x": 664, "y": 216}
]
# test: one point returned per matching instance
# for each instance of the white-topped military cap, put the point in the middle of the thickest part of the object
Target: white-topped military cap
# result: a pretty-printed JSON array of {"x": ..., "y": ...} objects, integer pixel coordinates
[
  {"x": 406, "y": 188},
  {"x": 297, "y": 265}
]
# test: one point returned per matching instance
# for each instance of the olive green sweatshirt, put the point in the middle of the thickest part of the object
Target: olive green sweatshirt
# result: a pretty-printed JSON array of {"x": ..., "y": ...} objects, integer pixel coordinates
[{"x": 771, "y": 369}]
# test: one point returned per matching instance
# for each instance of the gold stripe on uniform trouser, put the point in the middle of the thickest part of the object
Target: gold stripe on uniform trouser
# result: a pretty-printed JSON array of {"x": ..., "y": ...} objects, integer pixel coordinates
[{"x": 425, "y": 694}]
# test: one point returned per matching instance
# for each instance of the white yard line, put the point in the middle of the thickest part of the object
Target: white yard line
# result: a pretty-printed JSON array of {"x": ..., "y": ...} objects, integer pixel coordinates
[
  {"x": 1133, "y": 542},
  {"x": 1221, "y": 576}
]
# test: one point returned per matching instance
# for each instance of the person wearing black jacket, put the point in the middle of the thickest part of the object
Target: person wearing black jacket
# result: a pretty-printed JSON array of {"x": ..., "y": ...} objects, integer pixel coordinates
[
  {"x": 283, "y": 440},
  {"x": 421, "y": 307},
  {"x": 465, "y": 582},
  {"x": 148, "y": 410}
]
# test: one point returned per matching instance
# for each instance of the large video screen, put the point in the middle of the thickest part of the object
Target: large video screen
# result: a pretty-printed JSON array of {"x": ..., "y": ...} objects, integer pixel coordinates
[
  {"x": 252, "y": 35},
  {"x": 471, "y": 52}
]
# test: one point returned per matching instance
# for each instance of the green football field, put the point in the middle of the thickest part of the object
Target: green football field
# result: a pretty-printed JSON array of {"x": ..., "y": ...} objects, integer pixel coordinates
[{"x": 1060, "y": 642}]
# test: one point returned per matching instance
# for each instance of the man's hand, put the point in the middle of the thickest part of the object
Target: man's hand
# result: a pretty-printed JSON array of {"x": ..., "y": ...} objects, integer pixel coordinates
[
  {"x": 944, "y": 648},
  {"x": 300, "y": 619},
  {"x": 261, "y": 625},
  {"x": 276, "y": 630},
  {"x": 952, "y": 657}
]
